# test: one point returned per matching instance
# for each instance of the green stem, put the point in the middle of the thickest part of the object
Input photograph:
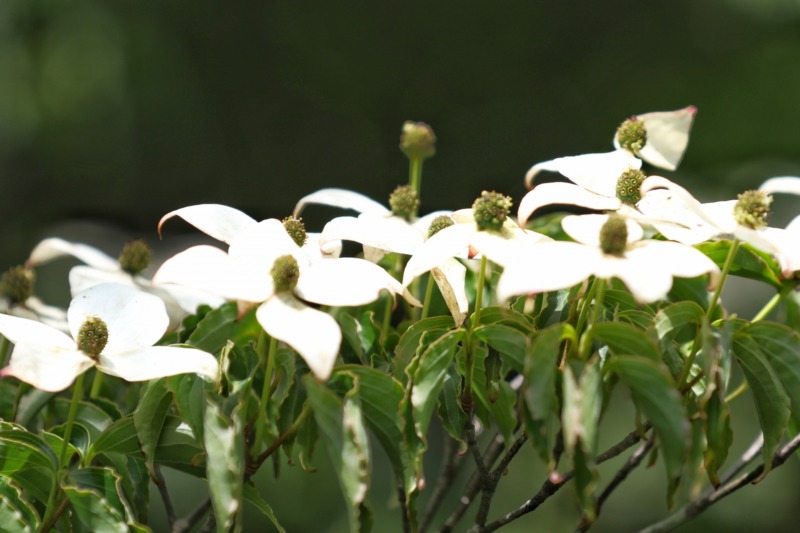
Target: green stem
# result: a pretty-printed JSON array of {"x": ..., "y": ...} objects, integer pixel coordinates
[
  {"x": 585, "y": 343},
  {"x": 269, "y": 361},
  {"x": 97, "y": 383},
  {"x": 476, "y": 316},
  {"x": 726, "y": 268},
  {"x": 4, "y": 346},
  {"x": 687, "y": 367},
  {"x": 428, "y": 294},
  {"x": 771, "y": 305},
  {"x": 415, "y": 177},
  {"x": 738, "y": 392},
  {"x": 467, "y": 401}
]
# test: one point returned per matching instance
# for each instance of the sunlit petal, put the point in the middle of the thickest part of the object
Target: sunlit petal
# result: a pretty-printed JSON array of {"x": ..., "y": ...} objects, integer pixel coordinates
[
  {"x": 392, "y": 234},
  {"x": 22, "y": 330},
  {"x": 81, "y": 277},
  {"x": 346, "y": 281},
  {"x": 45, "y": 366},
  {"x": 562, "y": 193},
  {"x": 260, "y": 244},
  {"x": 155, "y": 362},
  {"x": 596, "y": 172},
  {"x": 343, "y": 199},
  {"x": 667, "y": 136},
  {"x": 783, "y": 184},
  {"x": 586, "y": 228},
  {"x": 218, "y": 221},
  {"x": 449, "y": 277},
  {"x": 313, "y": 334},
  {"x": 646, "y": 278},
  {"x": 450, "y": 242},
  {"x": 53, "y": 248}
]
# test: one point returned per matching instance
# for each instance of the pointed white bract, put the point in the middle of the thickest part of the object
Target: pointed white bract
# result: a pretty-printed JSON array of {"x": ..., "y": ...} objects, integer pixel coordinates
[
  {"x": 667, "y": 136},
  {"x": 51, "y": 360}
]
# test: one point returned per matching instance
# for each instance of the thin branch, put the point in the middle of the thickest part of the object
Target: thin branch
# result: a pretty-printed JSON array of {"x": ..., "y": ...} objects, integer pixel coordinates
[
  {"x": 450, "y": 467},
  {"x": 186, "y": 524},
  {"x": 401, "y": 497},
  {"x": 161, "y": 483},
  {"x": 490, "y": 484},
  {"x": 712, "y": 496}
]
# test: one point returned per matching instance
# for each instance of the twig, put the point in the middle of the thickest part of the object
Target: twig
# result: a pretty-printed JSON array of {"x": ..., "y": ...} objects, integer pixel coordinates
[
  {"x": 490, "y": 485},
  {"x": 161, "y": 483},
  {"x": 452, "y": 462},
  {"x": 401, "y": 497},
  {"x": 712, "y": 496},
  {"x": 186, "y": 524}
]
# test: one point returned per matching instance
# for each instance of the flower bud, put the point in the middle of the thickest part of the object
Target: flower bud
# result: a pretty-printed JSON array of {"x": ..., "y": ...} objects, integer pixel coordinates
[
  {"x": 417, "y": 140},
  {"x": 629, "y": 186},
  {"x": 752, "y": 209},
  {"x": 92, "y": 336},
  {"x": 135, "y": 257},
  {"x": 296, "y": 229},
  {"x": 438, "y": 224},
  {"x": 614, "y": 236},
  {"x": 404, "y": 202},
  {"x": 632, "y": 135},
  {"x": 285, "y": 273},
  {"x": 491, "y": 210},
  {"x": 17, "y": 283}
]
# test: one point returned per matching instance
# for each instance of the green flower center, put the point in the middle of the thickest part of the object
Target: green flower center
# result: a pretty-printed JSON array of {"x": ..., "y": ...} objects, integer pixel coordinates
[
  {"x": 632, "y": 135},
  {"x": 417, "y": 140},
  {"x": 629, "y": 186},
  {"x": 285, "y": 273},
  {"x": 296, "y": 229},
  {"x": 135, "y": 257},
  {"x": 752, "y": 209},
  {"x": 17, "y": 283},
  {"x": 404, "y": 202},
  {"x": 614, "y": 236},
  {"x": 438, "y": 224},
  {"x": 93, "y": 336},
  {"x": 491, "y": 209}
]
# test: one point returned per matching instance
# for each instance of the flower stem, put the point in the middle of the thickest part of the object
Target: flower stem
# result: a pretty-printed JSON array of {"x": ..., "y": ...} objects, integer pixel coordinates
[
  {"x": 269, "y": 360},
  {"x": 771, "y": 305},
  {"x": 428, "y": 294},
  {"x": 476, "y": 316},
  {"x": 726, "y": 268},
  {"x": 4, "y": 346},
  {"x": 467, "y": 401},
  {"x": 585, "y": 343},
  {"x": 415, "y": 177},
  {"x": 97, "y": 383}
]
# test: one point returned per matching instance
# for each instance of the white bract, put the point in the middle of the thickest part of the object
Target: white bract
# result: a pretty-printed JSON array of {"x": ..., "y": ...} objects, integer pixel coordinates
[
  {"x": 252, "y": 272},
  {"x": 594, "y": 176},
  {"x": 50, "y": 360},
  {"x": 646, "y": 267}
]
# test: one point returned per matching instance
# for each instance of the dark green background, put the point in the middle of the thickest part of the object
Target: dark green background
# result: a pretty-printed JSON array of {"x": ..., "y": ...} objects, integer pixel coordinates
[{"x": 118, "y": 112}]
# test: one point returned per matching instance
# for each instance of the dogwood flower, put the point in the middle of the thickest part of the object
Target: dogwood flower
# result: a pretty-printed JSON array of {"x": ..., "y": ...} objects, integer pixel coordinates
[
  {"x": 598, "y": 180},
  {"x": 17, "y": 298},
  {"x": 607, "y": 246},
  {"x": 265, "y": 267},
  {"x": 113, "y": 327}
]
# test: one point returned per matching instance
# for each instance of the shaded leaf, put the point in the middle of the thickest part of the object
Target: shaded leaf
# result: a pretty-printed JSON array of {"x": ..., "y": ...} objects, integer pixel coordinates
[
  {"x": 410, "y": 342},
  {"x": 624, "y": 339},
  {"x": 224, "y": 445},
  {"x": 512, "y": 343},
  {"x": 749, "y": 262},
  {"x": 149, "y": 417},
  {"x": 16, "y": 514},
  {"x": 252, "y": 496},
  {"x": 215, "y": 328}
]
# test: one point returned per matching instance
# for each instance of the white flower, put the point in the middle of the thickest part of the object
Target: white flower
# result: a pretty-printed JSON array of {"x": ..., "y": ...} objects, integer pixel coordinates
[
  {"x": 265, "y": 266},
  {"x": 646, "y": 267},
  {"x": 102, "y": 268},
  {"x": 124, "y": 323},
  {"x": 380, "y": 232},
  {"x": 594, "y": 176}
]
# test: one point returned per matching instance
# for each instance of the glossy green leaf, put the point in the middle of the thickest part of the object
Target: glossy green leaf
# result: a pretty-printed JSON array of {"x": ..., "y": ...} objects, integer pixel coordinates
[
  {"x": 749, "y": 262},
  {"x": 411, "y": 341},
  {"x": 719, "y": 436},
  {"x": 453, "y": 417},
  {"x": 781, "y": 347},
  {"x": 95, "y": 494},
  {"x": 512, "y": 343},
  {"x": 772, "y": 403},
  {"x": 252, "y": 496},
  {"x": 134, "y": 480},
  {"x": 189, "y": 396},
  {"x": 154, "y": 402},
  {"x": 224, "y": 444},
  {"x": 28, "y": 461},
  {"x": 655, "y": 394},
  {"x": 215, "y": 328},
  {"x": 499, "y": 410},
  {"x": 670, "y": 320},
  {"x": 16, "y": 514},
  {"x": 624, "y": 339},
  {"x": 494, "y": 315}
]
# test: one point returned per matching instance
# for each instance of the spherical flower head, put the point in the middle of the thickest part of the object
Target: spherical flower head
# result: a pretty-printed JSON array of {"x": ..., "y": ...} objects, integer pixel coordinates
[
  {"x": 135, "y": 257},
  {"x": 296, "y": 229},
  {"x": 417, "y": 140},
  {"x": 285, "y": 273},
  {"x": 17, "y": 283},
  {"x": 629, "y": 186},
  {"x": 632, "y": 135},
  {"x": 93, "y": 337},
  {"x": 404, "y": 202},
  {"x": 438, "y": 224},
  {"x": 752, "y": 209},
  {"x": 491, "y": 210},
  {"x": 614, "y": 236}
]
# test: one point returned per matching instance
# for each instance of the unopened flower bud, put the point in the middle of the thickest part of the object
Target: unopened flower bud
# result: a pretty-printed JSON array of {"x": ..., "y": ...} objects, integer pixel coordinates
[
  {"x": 438, "y": 224},
  {"x": 752, "y": 209},
  {"x": 632, "y": 135},
  {"x": 491, "y": 210},
  {"x": 93, "y": 336},
  {"x": 296, "y": 229},
  {"x": 17, "y": 283},
  {"x": 285, "y": 273},
  {"x": 135, "y": 257},
  {"x": 629, "y": 186},
  {"x": 614, "y": 235},
  {"x": 417, "y": 140},
  {"x": 404, "y": 202}
]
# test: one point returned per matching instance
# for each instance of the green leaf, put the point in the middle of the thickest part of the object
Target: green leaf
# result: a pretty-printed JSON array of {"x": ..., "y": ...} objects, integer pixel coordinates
[
  {"x": 215, "y": 328},
  {"x": 781, "y": 346},
  {"x": 28, "y": 461},
  {"x": 512, "y": 343},
  {"x": 654, "y": 393},
  {"x": 134, "y": 480},
  {"x": 341, "y": 425},
  {"x": 624, "y": 339},
  {"x": 95, "y": 497},
  {"x": 539, "y": 388},
  {"x": 252, "y": 496},
  {"x": 501, "y": 408},
  {"x": 772, "y": 403},
  {"x": 749, "y": 262},
  {"x": 719, "y": 436},
  {"x": 224, "y": 444},
  {"x": 188, "y": 393},
  {"x": 670, "y": 320},
  {"x": 410, "y": 342},
  {"x": 16, "y": 514},
  {"x": 507, "y": 317},
  {"x": 149, "y": 416},
  {"x": 453, "y": 418}
]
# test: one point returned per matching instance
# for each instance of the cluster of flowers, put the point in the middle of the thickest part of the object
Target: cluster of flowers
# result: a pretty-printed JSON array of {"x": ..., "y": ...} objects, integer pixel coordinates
[{"x": 643, "y": 238}]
